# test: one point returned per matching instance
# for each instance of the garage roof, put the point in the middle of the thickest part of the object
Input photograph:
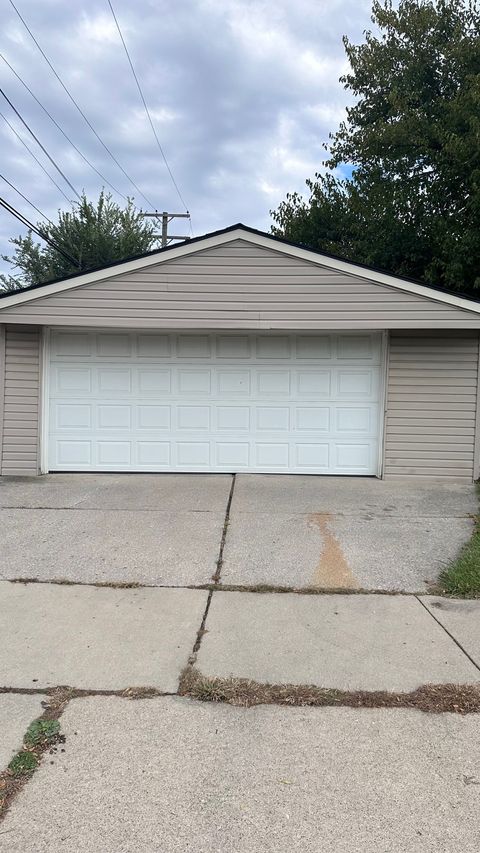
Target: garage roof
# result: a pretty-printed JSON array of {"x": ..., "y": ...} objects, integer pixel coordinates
[{"x": 254, "y": 236}]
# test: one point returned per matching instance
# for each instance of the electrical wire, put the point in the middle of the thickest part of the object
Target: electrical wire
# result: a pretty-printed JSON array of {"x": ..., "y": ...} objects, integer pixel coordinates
[
  {"x": 76, "y": 105},
  {"x": 146, "y": 108},
  {"x": 31, "y": 227},
  {"x": 52, "y": 161},
  {"x": 26, "y": 199},
  {"x": 39, "y": 162},
  {"x": 60, "y": 128}
]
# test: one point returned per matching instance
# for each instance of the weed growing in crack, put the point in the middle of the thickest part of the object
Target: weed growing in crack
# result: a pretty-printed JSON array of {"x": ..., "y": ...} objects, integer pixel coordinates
[
  {"x": 42, "y": 733},
  {"x": 23, "y": 763}
]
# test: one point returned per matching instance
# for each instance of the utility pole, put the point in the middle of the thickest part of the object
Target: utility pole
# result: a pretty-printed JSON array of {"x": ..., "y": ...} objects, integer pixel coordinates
[{"x": 166, "y": 217}]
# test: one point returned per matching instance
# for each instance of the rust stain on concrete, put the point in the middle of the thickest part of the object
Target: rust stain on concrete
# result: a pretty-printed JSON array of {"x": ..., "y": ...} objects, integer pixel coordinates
[{"x": 332, "y": 569}]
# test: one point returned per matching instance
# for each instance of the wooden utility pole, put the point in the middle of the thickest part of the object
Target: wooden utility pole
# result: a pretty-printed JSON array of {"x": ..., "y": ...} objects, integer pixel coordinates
[{"x": 166, "y": 217}]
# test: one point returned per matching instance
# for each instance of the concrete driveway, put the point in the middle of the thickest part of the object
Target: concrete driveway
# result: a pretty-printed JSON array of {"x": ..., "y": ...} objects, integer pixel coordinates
[{"x": 293, "y": 531}]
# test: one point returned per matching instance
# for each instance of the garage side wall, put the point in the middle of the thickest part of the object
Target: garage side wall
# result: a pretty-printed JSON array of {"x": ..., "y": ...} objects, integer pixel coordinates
[
  {"x": 432, "y": 405},
  {"x": 20, "y": 392}
]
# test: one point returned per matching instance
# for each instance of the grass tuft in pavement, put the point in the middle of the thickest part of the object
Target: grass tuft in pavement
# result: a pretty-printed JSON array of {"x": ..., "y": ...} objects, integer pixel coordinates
[
  {"x": 242, "y": 692},
  {"x": 23, "y": 763},
  {"x": 42, "y": 733}
]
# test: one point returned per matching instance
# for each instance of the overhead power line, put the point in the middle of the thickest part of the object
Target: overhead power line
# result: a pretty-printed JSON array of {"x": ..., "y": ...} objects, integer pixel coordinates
[
  {"x": 52, "y": 161},
  {"x": 146, "y": 108},
  {"x": 42, "y": 234},
  {"x": 77, "y": 107},
  {"x": 60, "y": 128},
  {"x": 35, "y": 157},
  {"x": 25, "y": 198}
]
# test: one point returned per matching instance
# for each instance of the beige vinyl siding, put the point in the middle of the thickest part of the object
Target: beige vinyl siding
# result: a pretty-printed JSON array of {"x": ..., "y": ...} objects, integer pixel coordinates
[
  {"x": 431, "y": 404},
  {"x": 239, "y": 285},
  {"x": 21, "y": 394}
]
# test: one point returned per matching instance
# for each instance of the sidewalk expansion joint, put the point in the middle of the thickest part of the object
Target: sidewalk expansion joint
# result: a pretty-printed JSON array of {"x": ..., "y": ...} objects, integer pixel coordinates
[
  {"x": 449, "y": 634},
  {"x": 128, "y": 509},
  {"x": 215, "y": 577},
  {"x": 218, "y": 586}
]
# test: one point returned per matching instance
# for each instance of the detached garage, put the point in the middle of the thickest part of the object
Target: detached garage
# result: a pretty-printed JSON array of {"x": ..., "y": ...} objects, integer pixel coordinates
[{"x": 239, "y": 352}]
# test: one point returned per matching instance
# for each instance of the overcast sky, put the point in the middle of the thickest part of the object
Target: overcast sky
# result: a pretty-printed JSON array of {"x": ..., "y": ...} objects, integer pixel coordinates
[{"x": 242, "y": 92}]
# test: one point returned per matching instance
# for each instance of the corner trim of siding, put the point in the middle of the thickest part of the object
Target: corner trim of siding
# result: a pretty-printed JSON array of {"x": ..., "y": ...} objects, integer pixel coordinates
[
  {"x": 43, "y": 410},
  {"x": 2, "y": 390},
  {"x": 476, "y": 446},
  {"x": 382, "y": 415}
]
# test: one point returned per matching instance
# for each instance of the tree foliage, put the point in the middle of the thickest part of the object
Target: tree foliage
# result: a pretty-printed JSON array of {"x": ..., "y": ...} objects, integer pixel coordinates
[
  {"x": 95, "y": 234},
  {"x": 412, "y": 143}
]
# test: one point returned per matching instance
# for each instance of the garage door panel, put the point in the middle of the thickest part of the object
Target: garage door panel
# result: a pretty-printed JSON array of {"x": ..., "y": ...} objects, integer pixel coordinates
[
  {"x": 233, "y": 383},
  {"x": 314, "y": 346},
  {"x": 153, "y": 381},
  {"x": 273, "y": 346},
  {"x": 276, "y": 418},
  {"x": 153, "y": 454},
  {"x": 314, "y": 382},
  {"x": 72, "y": 379},
  {"x": 114, "y": 453},
  {"x": 356, "y": 419},
  {"x": 273, "y": 382},
  {"x": 353, "y": 456},
  {"x": 233, "y": 346},
  {"x": 232, "y": 454},
  {"x": 73, "y": 416},
  {"x": 114, "y": 380},
  {"x": 114, "y": 345},
  {"x": 153, "y": 346},
  {"x": 206, "y": 402},
  {"x": 113, "y": 416},
  {"x": 193, "y": 346},
  {"x": 360, "y": 347},
  {"x": 152, "y": 417},
  {"x": 193, "y": 418},
  {"x": 232, "y": 417},
  {"x": 313, "y": 455},
  {"x": 69, "y": 453},
  {"x": 315, "y": 418},
  {"x": 72, "y": 344},
  {"x": 194, "y": 382},
  {"x": 356, "y": 384}
]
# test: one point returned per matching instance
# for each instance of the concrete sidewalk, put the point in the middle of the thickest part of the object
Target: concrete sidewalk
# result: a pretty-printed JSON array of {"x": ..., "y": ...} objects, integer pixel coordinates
[
  {"x": 103, "y": 638},
  {"x": 161, "y": 530},
  {"x": 345, "y": 532},
  {"x": 347, "y": 642},
  {"x": 283, "y": 530},
  {"x": 169, "y": 774},
  {"x": 96, "y": 638}
]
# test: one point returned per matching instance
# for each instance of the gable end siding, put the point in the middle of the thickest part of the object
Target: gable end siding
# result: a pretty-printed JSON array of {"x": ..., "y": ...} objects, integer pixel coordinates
[
  {"x": 431, "y": 405},
  {"x": 21, "y": 401},
  {"x": 239, "y": 285}
]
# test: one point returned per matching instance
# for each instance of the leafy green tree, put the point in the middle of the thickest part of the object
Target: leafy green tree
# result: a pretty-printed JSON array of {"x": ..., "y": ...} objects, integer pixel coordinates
[
  {"x": 94, "y": 234},
  {"x": 412, "y": 143}
]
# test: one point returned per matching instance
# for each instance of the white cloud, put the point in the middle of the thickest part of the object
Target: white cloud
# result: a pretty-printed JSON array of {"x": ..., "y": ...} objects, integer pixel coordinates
[{"x": 243, "y": 93}]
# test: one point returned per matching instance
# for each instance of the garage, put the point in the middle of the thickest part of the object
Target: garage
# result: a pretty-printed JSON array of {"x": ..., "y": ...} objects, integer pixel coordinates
[
  {"x": 137, "y": 401},
  {"x": 240, "y": 351}
]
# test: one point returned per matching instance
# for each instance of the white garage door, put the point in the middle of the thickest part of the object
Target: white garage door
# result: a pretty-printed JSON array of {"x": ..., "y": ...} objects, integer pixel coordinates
[{"x": 138, "y": 401}]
